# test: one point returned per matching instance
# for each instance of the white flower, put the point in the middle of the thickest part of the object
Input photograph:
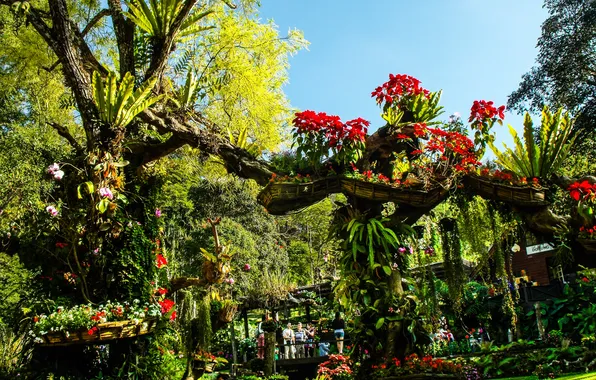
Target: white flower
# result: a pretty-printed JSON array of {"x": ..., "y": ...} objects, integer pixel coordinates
[
  {"x": 515, "y": 248},
  {"x": 58, "y": 174},
  {"x": 457, "y": 114}
]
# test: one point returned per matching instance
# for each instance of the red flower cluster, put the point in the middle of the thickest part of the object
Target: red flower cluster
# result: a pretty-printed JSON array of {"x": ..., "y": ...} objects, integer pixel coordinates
[
  {"x": 481, "y": 110},
  {"x": 453, "y": 147},
  {"x": 585, "y": 279},
  {"x": 335, "y": 131},
  {"x": 420, "y": 129},
  {"x": 160, "y": 261},
  {"x": 582, "y": 190},
  {"x": 337, "y": 366},
  {"x": 98, "y": 316},
  {"x": 92, "y": 330},
  {"x": 61, "y": 245},
  {"x": 162, "y": 291},
  {"x": 587, "y": 232},
  {"x": 398, "y": 86},
  {"x": 166, "y": 305}
]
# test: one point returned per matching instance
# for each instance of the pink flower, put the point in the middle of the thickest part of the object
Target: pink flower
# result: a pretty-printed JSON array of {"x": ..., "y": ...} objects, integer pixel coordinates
[
  {"x": 246, "y": 267},
  {"x": 106, "y": 193},
  {"x": 53, "y": 168},
  {"x": 230, "y": 281},
  {"x": 157, "y": 213},
  {"x": 52, "y": 210}
]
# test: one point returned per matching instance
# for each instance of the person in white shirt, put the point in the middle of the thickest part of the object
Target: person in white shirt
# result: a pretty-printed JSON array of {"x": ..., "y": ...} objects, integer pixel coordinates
[{"x": 289, "y": 340}]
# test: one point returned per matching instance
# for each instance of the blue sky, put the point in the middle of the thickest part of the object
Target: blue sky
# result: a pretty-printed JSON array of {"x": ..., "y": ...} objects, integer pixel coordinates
[{"x": 470, "y": 49}]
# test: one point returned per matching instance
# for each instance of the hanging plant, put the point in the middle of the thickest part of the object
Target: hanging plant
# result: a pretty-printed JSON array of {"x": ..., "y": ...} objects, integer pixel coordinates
[{"x": 453, "y": 261}]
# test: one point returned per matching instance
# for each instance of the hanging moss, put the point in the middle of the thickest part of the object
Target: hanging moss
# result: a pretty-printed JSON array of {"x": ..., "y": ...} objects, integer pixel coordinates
[
  {"x": 453, "y": 262},
  {"x": 201, "y": 325}
]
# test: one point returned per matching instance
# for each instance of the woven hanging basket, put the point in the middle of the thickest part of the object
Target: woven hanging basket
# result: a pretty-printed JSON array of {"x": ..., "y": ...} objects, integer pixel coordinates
[
  {"x": 279, "y": 198},
  {"x": 519, "y": 196},
  {"x": 589, "y": 245},
  {"x": 105, "y": 332},
  {"x": 386, "y": 193}
]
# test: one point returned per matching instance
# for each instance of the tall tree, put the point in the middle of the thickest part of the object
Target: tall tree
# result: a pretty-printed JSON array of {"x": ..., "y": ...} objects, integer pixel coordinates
[{"x": 565, "y": 71}]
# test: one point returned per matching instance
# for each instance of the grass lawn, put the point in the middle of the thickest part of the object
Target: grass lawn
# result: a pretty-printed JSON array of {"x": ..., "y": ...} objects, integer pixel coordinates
[{"x": 580, "y": 376}]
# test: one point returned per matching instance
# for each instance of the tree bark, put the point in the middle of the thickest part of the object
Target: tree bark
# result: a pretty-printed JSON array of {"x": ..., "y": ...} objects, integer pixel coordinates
[{"x": 269, "y": 353}]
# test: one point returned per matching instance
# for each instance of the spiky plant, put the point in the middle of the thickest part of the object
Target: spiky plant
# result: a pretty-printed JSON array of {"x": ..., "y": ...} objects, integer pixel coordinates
[
  {"x": 542, "y": 155},
  {"x": 119, "y": 104},
  {"x": 156, "y": 18}
]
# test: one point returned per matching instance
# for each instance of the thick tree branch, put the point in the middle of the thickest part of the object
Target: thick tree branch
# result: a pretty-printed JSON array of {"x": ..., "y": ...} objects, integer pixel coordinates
[
  {"x": 124, "y": 30},
  {"x": 184, "y": 282},
  {"x": 63, "y": 131},
  {"x": 94, "y": 21},
  {"x": 75, "y": 73},
  {"x": 237, "y": 160}
]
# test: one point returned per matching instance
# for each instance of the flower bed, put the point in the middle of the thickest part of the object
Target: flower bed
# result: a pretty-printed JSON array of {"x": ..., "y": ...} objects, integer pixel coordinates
[
  {"x": 100, "y": 333},
  {"x": 87, "y": 324}
]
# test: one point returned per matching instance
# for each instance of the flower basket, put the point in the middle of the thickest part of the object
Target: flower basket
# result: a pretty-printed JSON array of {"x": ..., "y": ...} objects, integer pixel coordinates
[
  {"x": 227, "y": 312},
  {"x": 105, "y": 332},
  {"x": 589, "y": 245},
  {"x": 275, "y": 196},
  {"x": 420, "y": 376},
  {"x": 527, "y": 196},
  {"x": 386, "y": 193}
]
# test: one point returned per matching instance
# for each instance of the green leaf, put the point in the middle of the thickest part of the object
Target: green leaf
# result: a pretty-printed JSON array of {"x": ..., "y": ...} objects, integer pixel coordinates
[
  {"x": 380, "y": 323},
  {"x": 387, "y": 270},
  {"x": 88, "y": 185},
  {"x": 102, "y": 206}
]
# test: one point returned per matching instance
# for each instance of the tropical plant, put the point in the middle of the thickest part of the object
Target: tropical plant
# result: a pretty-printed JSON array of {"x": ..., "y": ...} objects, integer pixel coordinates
[
  {"x": 542, "y": 154},
  {"x": 157, "y": 18},
  {"x": 118, "y": 104}
]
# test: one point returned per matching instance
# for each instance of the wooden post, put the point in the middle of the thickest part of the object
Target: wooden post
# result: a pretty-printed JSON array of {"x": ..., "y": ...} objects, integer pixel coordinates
[
  {"x": 539, "y": 321},
  {"x": 245, "y": 318},
  {"x": 233, "y": 336},
  {"x": 269, "y": 353}
]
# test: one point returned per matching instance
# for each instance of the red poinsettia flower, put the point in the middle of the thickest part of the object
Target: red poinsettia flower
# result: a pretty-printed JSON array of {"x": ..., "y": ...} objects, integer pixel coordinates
[
  {"x": 166, "y": 305},
  {"x": 160, "y": 261},
  {"x": 401, "y": 136}
]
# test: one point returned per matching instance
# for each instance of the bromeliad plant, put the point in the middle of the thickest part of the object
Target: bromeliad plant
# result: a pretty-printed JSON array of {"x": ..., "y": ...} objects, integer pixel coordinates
[{"x": 540, "y": 155}]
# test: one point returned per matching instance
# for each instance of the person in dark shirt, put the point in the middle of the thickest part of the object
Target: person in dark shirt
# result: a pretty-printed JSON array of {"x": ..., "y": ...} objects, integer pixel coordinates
[{"x": 338, "y": 325}]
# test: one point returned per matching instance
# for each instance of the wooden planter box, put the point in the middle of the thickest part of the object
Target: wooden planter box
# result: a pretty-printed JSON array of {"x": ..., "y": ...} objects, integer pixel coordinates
[
  {"x": 420, "y": 376},
  {"x": 588, "y": 244},
  {"x": 105, "y": 332},
  {"x": 527, "y": 196},
  {"x": 279, "y": 198},
  {"x": 387, "y": 193}
]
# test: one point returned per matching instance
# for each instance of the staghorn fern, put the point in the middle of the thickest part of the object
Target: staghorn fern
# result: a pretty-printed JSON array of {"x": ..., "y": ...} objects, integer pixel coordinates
[
  {"x": 543, "y": 157},
  {"x": 118, "y": 105}
]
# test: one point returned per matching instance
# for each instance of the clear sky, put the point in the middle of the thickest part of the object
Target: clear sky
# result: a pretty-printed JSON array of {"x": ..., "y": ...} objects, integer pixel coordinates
[{"x": 471, "y": 49}]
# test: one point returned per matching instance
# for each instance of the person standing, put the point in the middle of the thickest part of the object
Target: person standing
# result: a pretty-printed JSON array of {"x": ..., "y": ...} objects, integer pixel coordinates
[
  {"x": 338, "y": 325},
  {"x": 301, "y": 337},
  {"x": 289, "y": 340},
  {"x": 310, "y": 339},
  {"x": 261, "y": 338}
]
